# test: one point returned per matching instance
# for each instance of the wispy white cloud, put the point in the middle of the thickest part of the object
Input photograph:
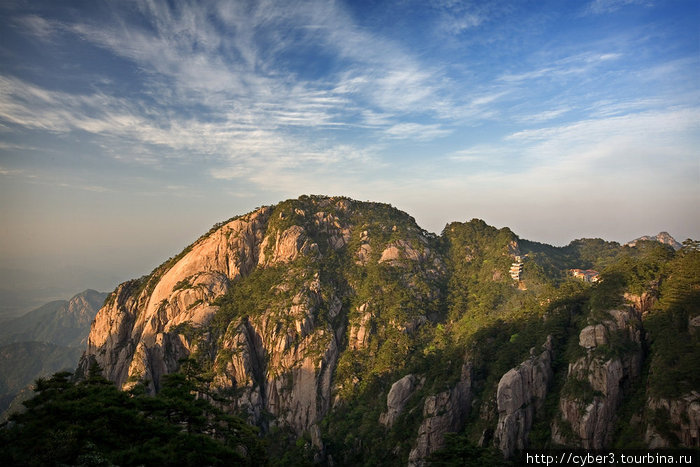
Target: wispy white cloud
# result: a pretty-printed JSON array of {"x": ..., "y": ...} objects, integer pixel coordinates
[
  {"x": 596, "y": 177},
  {"x": 543, "y": 116},
  {"x": 527, "y": 75},
  {"x": 657, "y": 142},
  {"x": 252, "y": 101},
  {"x": 643, "y": 124},
  {"x": 37, "y": 26},
  {"x": 417, "y": 131},
  {"x": 484, "y": 153},
  {"x": 591, "y": 167},
  {"x": 376, "y": 119},
  {"x": 562, "y": 67},
  {"x": 609, "y": 6},
  {"x": 257, "y": 112},
  {"x": 611, "y": 107},
  {"x": 456, "y": 17},
  {"x": 247, "y": 64},
  {"x": 15, "y": 146},
  {"x": 235, "y": 139},
  {"x": 91, "y": 188},
  {"x": 487, "y": 98}
]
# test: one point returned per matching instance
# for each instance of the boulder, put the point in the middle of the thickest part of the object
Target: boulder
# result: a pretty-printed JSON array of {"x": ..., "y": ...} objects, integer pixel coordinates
[{"x": 397, "y": 398}]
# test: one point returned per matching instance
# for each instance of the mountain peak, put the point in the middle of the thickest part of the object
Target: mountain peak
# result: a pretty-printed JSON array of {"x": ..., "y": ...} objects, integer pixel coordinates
[
  {"x": 300, "y": 311},
  {"x": 661, "y": 237}
]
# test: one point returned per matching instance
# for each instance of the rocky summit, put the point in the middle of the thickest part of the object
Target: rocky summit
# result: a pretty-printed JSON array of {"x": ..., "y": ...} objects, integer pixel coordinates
[
  {"x": 349, "y": 335},
  {"x": 661, "y": 237}
]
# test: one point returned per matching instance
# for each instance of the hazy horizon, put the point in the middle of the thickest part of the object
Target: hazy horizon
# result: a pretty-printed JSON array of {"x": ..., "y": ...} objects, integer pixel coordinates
[
  {"x": 128, "y": 129},
  {"x": 30, "y": 282}
]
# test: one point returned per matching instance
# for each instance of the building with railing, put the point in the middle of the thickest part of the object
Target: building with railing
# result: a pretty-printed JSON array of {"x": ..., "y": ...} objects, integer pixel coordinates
[
  {"x": 586, "y": 275},
  {"x": 516, "y": 269}
]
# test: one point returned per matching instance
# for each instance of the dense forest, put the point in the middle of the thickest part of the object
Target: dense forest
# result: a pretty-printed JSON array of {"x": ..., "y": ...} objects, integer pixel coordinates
[{"x": 91, "y": 422}]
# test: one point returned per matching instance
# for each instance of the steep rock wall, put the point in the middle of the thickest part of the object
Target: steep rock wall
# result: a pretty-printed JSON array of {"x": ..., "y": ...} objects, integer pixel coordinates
[
  {"x": 443, "y": 413},
  {"x": 520, "y": 394},
  {"x": 128, "y": 336},
  {"x": 280, "y": 359},
  {"x": 598, "y": 381},
  {"x": 398, "y": 396},
  {"x": 283, "y": 368},
  {"x": 679, "y": 419}
]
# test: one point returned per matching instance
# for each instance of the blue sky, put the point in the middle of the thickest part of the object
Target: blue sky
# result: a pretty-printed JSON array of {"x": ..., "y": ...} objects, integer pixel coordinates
[{"x": 128, "y": 128}]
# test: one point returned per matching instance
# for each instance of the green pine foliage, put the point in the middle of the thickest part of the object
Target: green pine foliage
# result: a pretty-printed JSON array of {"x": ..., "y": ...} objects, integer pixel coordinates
[
  {"x": 674, "y": 342},
  {"x": 92, "y": 423},
  {"x": 460, "y": 451}
]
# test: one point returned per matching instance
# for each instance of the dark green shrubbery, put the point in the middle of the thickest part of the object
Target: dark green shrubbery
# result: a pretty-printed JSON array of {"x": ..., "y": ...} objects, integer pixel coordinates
[
  {"x": 674, "y": 343},
  {"x": 93, "y": 423}
]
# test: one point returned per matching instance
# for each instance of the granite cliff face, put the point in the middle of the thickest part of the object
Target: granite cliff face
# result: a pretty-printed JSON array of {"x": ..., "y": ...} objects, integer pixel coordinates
[
  {"x": 130, "y": 336},
  {"x": 281, "y": 358},
  {"x": 682, "y": 425},
  {"x": 444, "y": 412},
  {"x": 344, "y": 330},
  {"x": 598, "y": 381},
  {"x": 398, "y": 396},
  {"x": 521, "y": 393}
]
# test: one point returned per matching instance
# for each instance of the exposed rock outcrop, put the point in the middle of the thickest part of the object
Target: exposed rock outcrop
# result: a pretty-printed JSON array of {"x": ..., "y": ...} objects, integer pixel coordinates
[
  {"x": 444, "y": 412},
  {"x": 643, "y": 302},
  {"x": 128, "y": 334},
  {"x": 674, "y": 422},
  {"x": 282, "y": 363},
  {"x": 661, "y": 237},
  {"x": 597, "y": 382},
  {"x": 279, "y": 359},
  {"x": 398, "y": 396},
  {"x": 520, "y": 394},
  {"x": 286, "y": 246},
  {"x": 400, "y": 250},
  {"x": 359, "y": 331}
]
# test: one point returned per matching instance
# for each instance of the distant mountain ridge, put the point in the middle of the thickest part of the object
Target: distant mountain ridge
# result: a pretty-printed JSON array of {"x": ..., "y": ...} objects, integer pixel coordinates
[
  {"x": 61, "y": 322},
  {"x": 44, "y": 341},
  {"x": 661, "y": 237}
]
